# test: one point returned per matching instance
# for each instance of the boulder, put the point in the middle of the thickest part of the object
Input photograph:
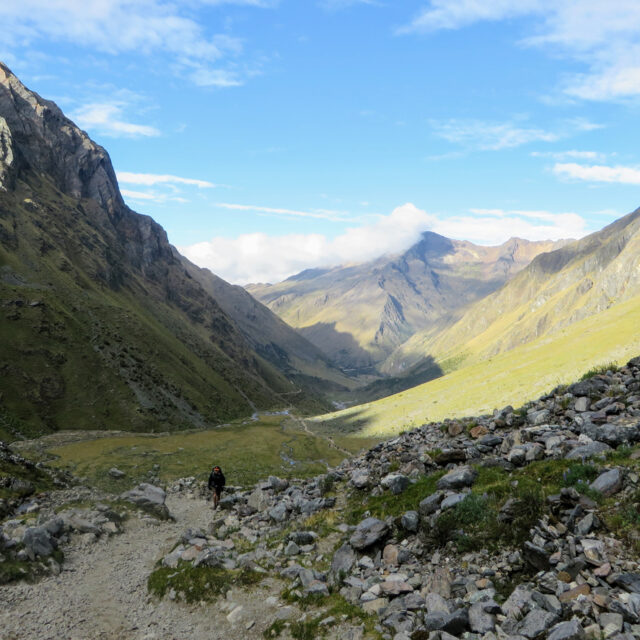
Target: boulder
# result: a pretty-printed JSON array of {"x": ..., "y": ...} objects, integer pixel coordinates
[
  {"x": 608, "y": 483},
  {"x": 410, "y": 521},
  {"x": 343, "y": 560},
  {"x": 458, "y": 478},
  {"x": 395, "y": 482},
  {"x": 150, "y": 498},
  {"x": 38, "y": 542},
  {"x": 571, "y": 630},
  {"x": 369, "y": 532}
]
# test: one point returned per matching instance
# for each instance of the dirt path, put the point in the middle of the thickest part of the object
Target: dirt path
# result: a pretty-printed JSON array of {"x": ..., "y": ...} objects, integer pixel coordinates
[
  {"x": 329, "y": 439},
  {"x": 101, "y": 593}
]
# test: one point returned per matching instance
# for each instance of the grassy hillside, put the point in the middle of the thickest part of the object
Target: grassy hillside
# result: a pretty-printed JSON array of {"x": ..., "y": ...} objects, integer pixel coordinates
[
  {"x": 247, "y": 451},
  {"x": 91, "y": 341},
  {"x": 514, "y": 377},
  {"x": 554, "y": 291}
]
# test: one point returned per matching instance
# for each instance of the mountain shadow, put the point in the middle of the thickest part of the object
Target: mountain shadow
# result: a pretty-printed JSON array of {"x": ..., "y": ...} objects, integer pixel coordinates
[
  {"x": 424, "y": 371},
  {"x": 345, "y": 351}
]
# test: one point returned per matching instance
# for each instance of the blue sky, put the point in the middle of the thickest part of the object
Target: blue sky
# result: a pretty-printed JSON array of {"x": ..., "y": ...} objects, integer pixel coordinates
[{"x": 268, "y": 136}]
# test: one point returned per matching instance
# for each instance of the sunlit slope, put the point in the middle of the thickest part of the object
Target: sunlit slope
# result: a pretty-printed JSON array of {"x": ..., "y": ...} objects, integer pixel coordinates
[
  {"x": 513, "y": 377},
  {"x": 554, "y": 291}
]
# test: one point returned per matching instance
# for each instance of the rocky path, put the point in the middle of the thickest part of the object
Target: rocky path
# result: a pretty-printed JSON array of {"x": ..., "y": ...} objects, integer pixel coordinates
[{"x": 102, "y": 593}]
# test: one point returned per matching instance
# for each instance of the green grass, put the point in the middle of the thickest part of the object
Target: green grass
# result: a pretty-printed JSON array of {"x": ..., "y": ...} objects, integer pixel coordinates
[
  {"x": 388, "y": 504},
  {"x": 40, "y": 480},
  {"x": 247, "y": 452},
  {"x": 333, "y": 605},
  {"x": 599, "y": 370},
  {"x": 514, "y": 377},
  {"x": 196, "y": 584}
]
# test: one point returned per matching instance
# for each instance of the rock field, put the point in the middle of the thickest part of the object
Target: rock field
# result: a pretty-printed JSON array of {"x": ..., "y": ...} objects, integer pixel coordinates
[{"x": 520, "y": 524}]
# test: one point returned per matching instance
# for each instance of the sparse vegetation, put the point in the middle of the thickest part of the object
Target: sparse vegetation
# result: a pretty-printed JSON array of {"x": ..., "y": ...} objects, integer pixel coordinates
[{"x": 195, "y": 584}]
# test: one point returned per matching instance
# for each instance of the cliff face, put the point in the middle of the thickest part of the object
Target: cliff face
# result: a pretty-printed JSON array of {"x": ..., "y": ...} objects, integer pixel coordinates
[{"x": 103, "y": 325}]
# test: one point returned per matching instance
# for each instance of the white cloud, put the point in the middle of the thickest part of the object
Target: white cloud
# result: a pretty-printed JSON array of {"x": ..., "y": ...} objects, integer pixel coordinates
[
  {"x": 139, "y": 195},
  {"x": 602, "y": 35},
  {"x": 598, "y": 173},
  {"x": 490, "y": 136},
  {"x": 570, "y": 154},
  {"x": 150, "y": 179},
  {"x": 321, "y": 214},
  {"x": 258, "y": 257},
  {"x": 106, "y": 119},
  {"x": 148, "y": 27}
]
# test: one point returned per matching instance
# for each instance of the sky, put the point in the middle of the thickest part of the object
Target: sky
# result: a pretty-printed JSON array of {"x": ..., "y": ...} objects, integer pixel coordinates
[{"x": 270, "y": 136}]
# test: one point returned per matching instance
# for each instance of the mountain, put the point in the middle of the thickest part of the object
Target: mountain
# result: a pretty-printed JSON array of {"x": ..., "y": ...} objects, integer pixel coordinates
[
  {"x": 360, "y": 314},
  {"x": 557, "y": 289},
  {"x": 103, "y": 323},
  {"x": 571, "y": 310}
]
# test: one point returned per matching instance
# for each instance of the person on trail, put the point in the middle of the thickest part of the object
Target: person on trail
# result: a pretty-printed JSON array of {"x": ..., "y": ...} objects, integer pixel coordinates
[{"x": 216, "y": 484}]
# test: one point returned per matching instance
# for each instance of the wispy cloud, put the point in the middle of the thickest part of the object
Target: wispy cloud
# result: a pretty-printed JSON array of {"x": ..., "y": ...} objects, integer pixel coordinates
[
  {"x": 571, "y": 154},
  {"x": 490, "y": 136},
  {"x": 598, "y": 173},
  {"x": 150, "y": 179},
  {"x": 322, "y": 214},
  {"x": 602, "y": 35},
  {"x": 258, "y": 257},
  {"x": 494, "y": 136},
  {"x": 107, "y": 119},
  {"x": 147, "y": 27}
]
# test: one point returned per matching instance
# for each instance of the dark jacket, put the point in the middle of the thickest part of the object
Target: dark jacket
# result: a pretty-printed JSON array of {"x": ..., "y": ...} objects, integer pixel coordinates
[{"x": 216, "y": 480}]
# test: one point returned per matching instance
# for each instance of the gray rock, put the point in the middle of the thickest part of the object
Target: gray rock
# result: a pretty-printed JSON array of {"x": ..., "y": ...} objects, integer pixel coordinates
[
  {"x": 292, "y": 549},
  {"x": 395, "y": 482},
  {"x": 258, "y": 500},
  {"x": 458, "y": 478},
  {"x": 116, "y": 473},
  {"x": 410, "y": 521},
  {"x": 628, "y": 582},
  {"x": 435, "y": 603},
  {"x": 608, "y": 483},
  {"x": 430, "y": 504},
  {"x": 539, "y": 417},
  {"x": 279, "y": 513},
  {"x": 343, "y": 560},
  {"x": 571, "y": 630},
  {"x": 38, "y": 542},
  {"x": 536, "y": 622},
  {"x": 536, "y": 556},
  {"x": 360, "y": 479},
  {"x": 278, "y": 484},
  {"x": 582, "y": 404},
  {"x": 456, "y": 622},
  {"x": 452, "y": 500},
  {"x": 479, "y": 620},
  {"x": 368, "y": 532},
  {"x": 588, "y": 451},
  {"x": 148, "y": 497}
]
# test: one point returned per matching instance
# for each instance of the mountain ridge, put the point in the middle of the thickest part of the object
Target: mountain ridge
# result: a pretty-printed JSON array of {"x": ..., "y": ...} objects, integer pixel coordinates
[
  {"x": 102, "y": 324},
  {"x": 359, "y": 314}
]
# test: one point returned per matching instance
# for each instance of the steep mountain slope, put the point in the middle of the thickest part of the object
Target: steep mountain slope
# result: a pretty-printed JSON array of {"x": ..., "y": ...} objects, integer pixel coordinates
[
  {"x": 269, "y": 336},
  {"x": 102, "y": 326},
  {"x": 557, "y": 289},
  {"x": 360, "y": 314}
]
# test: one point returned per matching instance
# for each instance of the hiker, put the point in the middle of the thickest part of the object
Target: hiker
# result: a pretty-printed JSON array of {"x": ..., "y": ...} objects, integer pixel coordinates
[{"x": 216, "y": 483}]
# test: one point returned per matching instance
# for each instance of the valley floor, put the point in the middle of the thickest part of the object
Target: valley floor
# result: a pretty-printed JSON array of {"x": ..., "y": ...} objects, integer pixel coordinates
[{"x": 102, "y": 591}]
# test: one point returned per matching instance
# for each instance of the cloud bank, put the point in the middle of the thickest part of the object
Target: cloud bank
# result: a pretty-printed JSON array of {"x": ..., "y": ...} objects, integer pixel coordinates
[{"x": 258, "y": 257}]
